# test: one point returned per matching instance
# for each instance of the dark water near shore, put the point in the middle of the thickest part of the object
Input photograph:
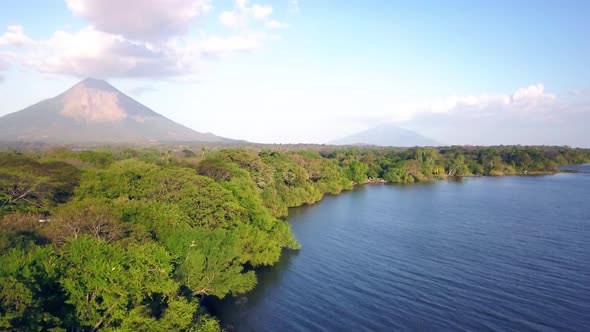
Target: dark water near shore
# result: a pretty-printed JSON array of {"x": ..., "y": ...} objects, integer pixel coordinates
[
  {"x": 479, "y": 254},
  {"x": 585, "y": 168}
]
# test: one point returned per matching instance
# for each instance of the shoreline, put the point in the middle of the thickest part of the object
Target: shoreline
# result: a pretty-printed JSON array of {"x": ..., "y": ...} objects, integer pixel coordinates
[
  {"x": 381, "y": 181},
  {"x": 318, "y": 225},
  {"x": 212, "y": 303}
]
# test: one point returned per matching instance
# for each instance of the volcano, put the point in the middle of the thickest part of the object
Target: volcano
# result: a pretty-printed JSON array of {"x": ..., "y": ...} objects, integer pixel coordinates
[{"x": 93, "y": 111}]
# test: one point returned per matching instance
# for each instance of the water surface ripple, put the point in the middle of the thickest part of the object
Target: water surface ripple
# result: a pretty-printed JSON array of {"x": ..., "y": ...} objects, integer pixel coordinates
[{"x": 480, "y": 254}]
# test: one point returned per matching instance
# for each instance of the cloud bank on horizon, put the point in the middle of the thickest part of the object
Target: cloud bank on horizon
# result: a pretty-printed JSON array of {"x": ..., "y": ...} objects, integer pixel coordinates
[
  {"x": 529, "y": 116},
  {"x": 346, "y": 64}
]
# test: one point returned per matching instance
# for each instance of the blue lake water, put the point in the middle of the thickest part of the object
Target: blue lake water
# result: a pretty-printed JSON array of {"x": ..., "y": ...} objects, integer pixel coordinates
[{"x": 478, "y": 254}]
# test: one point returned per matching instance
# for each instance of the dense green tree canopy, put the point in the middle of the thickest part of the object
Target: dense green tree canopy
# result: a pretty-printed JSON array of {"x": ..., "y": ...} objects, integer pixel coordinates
[{"x": 132, "y": 240}]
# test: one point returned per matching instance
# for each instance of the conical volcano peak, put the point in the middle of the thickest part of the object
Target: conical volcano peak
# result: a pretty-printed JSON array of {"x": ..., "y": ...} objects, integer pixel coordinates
[
  {"x": 97, "y": 84},
  {"x": 93, "y": 111},
  {"x": 93, "y": 101}
]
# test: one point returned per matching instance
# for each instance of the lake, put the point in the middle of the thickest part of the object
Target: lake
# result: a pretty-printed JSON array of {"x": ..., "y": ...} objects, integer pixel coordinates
[{"x": 477, "y": 254}]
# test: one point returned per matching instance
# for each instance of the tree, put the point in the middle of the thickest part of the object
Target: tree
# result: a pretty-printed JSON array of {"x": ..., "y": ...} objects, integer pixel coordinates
[
  {"x": 398, "y": 175},
  {"x": 92, "y": 218},
  {"x": 357, "y": 171},
  {"x": 31, "y": 297},
  {"x": 209, "y": 262},
  {"x": 428, "y": 158},
  {"x": 108, "y": 284},
  {"x": 28, "y": 185},
  {"x": 457, "y": 166}
]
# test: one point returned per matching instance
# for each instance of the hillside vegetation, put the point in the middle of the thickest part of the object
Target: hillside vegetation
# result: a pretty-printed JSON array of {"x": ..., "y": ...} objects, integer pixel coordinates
[{"x": 132, "y": 240}]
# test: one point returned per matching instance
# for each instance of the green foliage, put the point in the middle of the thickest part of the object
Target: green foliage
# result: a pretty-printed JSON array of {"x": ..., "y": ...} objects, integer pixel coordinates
[
  {"x": 85, "y": 158},
  {"x": 209, "y": 262},
  {"x": 107, "y": 283},
  {"x": 458, "y": 167},
  {"x": 31, "y": 298},
  {"x": 20, "y": 230},
  {"x": 398, "y": 175},
  {"x": 33, "y": 186},
  {"x": 76, "y": 219},
  {"x": 428, "y": 158},
  {"x": 205, "y": 202},
  {"x": 131, "y": 240},
  {"x": 357, "y": 171}
]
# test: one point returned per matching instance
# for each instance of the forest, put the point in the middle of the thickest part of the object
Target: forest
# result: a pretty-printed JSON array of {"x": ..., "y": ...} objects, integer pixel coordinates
[{"x": 134, "y": 239}]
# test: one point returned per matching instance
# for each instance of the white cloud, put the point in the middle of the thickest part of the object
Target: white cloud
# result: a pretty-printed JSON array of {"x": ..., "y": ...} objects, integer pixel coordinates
[
  {"x": 273, "y": 24},
  {"x": 533, "y": 92},
  {"x": 229, "y": 19},
  {"x": 90, "y": 52},
  {"x": 135, "y": 38},
  {"x": 140, "y": 19},
  {"x": 526, "y": 115},
  {"x": 523, "y": 99},
  {"x": 448, "y": 104},
  {"x": 243, "y": 13},
  {"x": 529, "y": 115},
  {"x": 15, "y": 36},
  {"x": 241, "y": 3},
  {"x": 561, "y": 122},
  {"x": 261, "y": 12}
]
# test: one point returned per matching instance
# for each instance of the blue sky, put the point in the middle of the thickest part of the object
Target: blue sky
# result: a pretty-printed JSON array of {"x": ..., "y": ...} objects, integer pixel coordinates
[{"x": 312, "y": 70}]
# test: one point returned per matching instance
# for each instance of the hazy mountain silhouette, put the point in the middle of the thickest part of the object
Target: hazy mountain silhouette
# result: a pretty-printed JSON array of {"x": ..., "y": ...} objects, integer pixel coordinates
[
  {"x": 386, "y": 135},
  {"x": 93, "y": 111}
]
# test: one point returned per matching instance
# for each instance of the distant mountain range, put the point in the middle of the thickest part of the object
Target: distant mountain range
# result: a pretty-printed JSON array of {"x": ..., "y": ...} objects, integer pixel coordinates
[
  {"x": 387, "y": 135},
  {"x": 93, "y": 111}
]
